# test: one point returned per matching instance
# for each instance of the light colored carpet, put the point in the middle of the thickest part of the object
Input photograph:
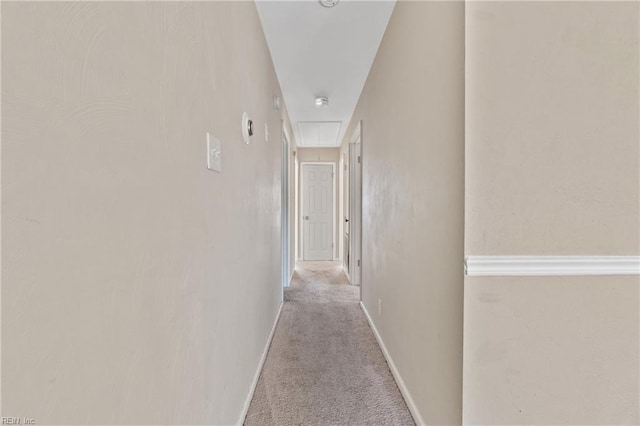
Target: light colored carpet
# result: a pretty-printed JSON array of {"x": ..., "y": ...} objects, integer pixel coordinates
[{"x": 324, "y": 366}]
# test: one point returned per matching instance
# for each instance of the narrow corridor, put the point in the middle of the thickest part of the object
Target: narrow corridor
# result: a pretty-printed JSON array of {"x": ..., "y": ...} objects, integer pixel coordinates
[{"x": 324, "y": 365}]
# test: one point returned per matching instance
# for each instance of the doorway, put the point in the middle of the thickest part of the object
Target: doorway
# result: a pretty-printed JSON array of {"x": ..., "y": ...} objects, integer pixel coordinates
[
  {"x": 284, "y": 216},
  {"x": 353, "y": 236},
  {"x": 317, "y": 199}
]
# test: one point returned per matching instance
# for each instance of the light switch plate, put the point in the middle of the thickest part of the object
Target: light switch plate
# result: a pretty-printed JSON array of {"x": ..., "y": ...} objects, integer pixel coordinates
[{"x": 214, "y": 153}]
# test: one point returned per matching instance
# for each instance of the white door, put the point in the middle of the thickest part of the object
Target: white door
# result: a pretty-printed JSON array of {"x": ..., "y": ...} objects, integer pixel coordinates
[{"x": 317, "y": 211}]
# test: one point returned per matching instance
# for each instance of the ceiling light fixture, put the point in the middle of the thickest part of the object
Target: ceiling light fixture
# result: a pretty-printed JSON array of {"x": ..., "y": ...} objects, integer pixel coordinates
[
  {"x": 328, "y": 3},
  {"x": 322, "y": 102}
]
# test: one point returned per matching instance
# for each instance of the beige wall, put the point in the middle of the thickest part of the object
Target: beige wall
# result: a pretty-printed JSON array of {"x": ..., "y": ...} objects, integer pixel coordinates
[
  {"x": 552, "y": 128},
  {"x": 322, "y": 155},
  {"x": 412, "y": 112},
  {"x": 561, "y": 350},
  {"x": 126, "y": 296},
  {"x": 552, "y": 168}
]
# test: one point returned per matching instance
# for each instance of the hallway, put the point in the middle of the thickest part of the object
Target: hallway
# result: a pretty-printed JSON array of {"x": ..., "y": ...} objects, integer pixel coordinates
[
  {"x": 324, "y": 365},
  {"x": 474, "y": 165}
]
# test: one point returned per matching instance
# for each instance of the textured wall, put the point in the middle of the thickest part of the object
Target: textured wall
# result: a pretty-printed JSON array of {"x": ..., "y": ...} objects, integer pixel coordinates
[
  {"x": 552, "y": 128},
  {"x": 551, "y": 350},
  {"x": 552, "y": 168},
  {"x": 412, "y": 112},
  {"x": 126, "y": 296}
]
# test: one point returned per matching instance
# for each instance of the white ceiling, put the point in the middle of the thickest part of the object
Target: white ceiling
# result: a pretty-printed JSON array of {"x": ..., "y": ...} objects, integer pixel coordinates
[{"x": 319, "y": 51}]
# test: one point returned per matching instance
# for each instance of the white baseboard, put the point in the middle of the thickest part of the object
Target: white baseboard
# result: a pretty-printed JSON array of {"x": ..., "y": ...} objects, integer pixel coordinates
[
  {"x": 417, "y": 417},
  {"x": 252, "y": 389},
  {"x": 551, "y": 265},
  {"x": 347, "y": 274},
  {"x": 290, "y": 278}
]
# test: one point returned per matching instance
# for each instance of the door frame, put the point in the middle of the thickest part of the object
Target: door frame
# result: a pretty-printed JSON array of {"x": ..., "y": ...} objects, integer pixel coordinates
[
  {"x": 355, "y": 207},
  {"x": 333, "y": 202},
  {"x": 284, "y": 212}
]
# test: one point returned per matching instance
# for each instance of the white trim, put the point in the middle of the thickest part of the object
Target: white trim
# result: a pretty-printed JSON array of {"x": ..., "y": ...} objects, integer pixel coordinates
[
  {"x": 356, "y": 132},
  {"x": 285, "y": 222},
  {"x": 333, "y": 201},
  {"x": 413, "y": 409},
  {"x": 252, "y": 389},
  {"x": 346, "y": 272},
  {"x": 284, "y": 130},
  {"x": 296, "y": 210},
  {"x": 355, "y": 201},
  {"x": 551, "y": 265},
  {"x": 340, "y": 208}
]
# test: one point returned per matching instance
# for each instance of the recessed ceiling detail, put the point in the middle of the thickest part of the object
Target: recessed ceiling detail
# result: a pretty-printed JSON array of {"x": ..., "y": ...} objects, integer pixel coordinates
[
  {"x": 322, "y": 51},
  {"x": 319, "y": 134}
]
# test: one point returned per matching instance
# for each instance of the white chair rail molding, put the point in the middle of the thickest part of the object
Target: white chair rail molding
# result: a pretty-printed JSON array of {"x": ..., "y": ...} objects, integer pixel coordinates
[{"x": 551, "y": 265}]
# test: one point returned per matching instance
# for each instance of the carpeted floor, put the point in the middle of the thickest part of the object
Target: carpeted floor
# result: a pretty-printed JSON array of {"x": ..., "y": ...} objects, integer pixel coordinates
[{"x": 324, "y": 366}]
